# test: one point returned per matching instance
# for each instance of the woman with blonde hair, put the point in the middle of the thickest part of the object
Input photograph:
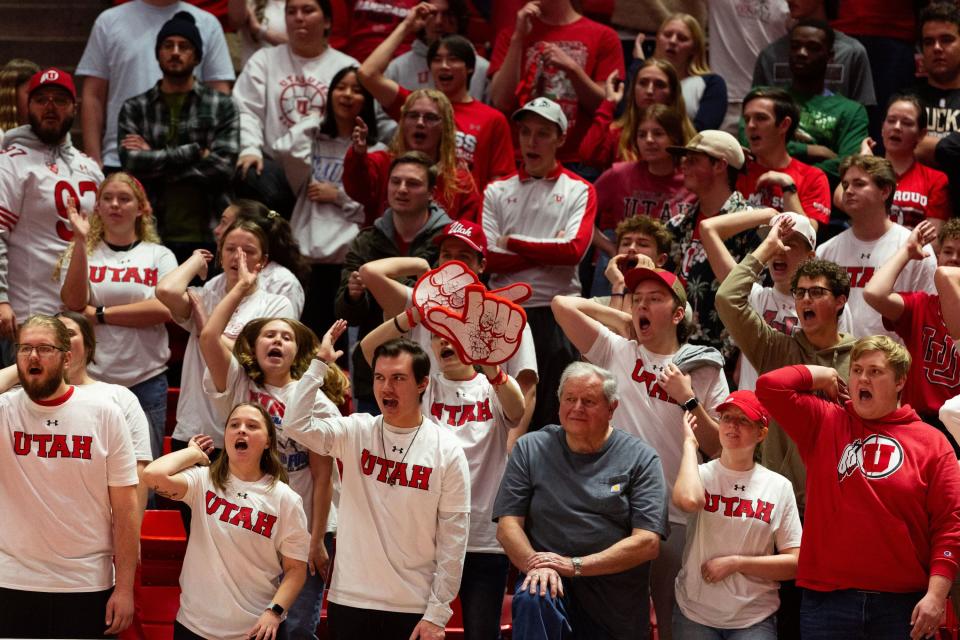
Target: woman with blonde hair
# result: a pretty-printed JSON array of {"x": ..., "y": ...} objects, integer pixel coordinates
[
  {"x": 426, "y": 125},
  {"x": 607, "y": 141},
  {"x": 681, "y": 41},
  {"x": 14, "y": 78},
  {"x": 246, "y": 558},
  {"x": 109, "y": 273}
]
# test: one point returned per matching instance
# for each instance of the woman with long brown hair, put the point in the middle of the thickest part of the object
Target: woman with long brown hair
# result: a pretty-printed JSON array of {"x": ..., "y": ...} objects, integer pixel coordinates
[{"x": 248, "y": 534}]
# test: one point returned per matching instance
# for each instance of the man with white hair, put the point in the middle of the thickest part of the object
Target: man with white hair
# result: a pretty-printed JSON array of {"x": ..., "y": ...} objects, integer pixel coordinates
[{"x": 581, "y": 511}]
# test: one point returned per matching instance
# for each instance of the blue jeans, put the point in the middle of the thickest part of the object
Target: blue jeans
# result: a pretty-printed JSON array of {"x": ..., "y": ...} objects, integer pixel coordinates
[
  {"x": 304, "y": 615},
  {"x": 481, "y": 594},
  {"x": 537, "y": 617},
  {"x": 856, "y": 615},
  {"x": 687, "y": 629},
  {"x": 152, "y": 395}
]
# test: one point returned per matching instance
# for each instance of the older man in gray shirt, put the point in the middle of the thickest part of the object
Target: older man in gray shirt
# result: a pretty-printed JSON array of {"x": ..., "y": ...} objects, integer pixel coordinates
[{"x": 581, "y": 511}]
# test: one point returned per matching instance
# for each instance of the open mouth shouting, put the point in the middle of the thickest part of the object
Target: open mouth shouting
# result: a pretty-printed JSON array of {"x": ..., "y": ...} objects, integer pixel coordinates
[
  {"x": 447, "y": 353},
  {"x": 778, "y": 268},
  {"x": 241, "y": 444},
  {"x": 390, "y": 404}
]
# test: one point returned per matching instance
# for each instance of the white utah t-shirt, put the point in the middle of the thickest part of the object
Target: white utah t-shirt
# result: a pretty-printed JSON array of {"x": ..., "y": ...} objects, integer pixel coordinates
[
  {"x": 233, "y": 568},
  {"x": 471, "y": 411},
  {"x": 746, "y": 513},
  {"x": 57, "y": 463}
]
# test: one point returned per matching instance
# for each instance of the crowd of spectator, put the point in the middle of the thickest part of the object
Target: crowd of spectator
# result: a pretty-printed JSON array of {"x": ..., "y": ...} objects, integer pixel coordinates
[{"x": 674, "y": 315}]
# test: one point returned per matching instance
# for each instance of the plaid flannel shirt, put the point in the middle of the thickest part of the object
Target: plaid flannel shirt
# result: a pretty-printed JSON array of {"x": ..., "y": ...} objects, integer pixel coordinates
[{"x": 208, "y": 120}]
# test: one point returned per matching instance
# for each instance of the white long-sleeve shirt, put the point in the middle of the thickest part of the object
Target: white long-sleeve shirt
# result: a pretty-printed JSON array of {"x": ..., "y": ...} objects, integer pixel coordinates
[{"x": 404, "y": 506}]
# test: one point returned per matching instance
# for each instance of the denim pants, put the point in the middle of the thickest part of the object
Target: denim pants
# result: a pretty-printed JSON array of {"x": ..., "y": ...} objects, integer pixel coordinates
[
  {"x": 687, "y": 629},
  {"x": 152, "y": 395},
  {"x": 481, "y": 594},
  {"x": 537, "y": 617},
  {"x": 304, "y": 614},
  {"x": 856, "y": 615}
]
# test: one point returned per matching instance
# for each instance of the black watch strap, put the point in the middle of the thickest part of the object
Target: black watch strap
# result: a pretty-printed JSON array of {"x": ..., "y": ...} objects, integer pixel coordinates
[{"x": 690, "y": 404}]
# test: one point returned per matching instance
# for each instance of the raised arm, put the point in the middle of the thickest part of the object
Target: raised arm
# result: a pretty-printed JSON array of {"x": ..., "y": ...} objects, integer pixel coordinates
[
  {"x": 395, "y": 327},
  {"x": 715, "y": 230},
  {"x": 380, "y": 277},
  {"x": 75, "y": 290},
  {"x": 172, "y": 288},
  {"x": 879, "y": 292},
  {"x": 215, "y": 352},
  {"x": 508, "y": 393},
  {"x": 688, "y": 489},
  {"x": 504, "y": 82},
  {"x": 947, "y": 281},
  {"x": 371, "y": 72},
  {"x": 571, "y": 313},
  {"x": 163, "y": 474}
]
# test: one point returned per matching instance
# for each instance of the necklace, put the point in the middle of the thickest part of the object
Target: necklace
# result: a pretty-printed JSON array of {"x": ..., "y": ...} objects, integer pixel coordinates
[
  {"x": 122, "y": 247},
  {"x": 392, "y": 481}
]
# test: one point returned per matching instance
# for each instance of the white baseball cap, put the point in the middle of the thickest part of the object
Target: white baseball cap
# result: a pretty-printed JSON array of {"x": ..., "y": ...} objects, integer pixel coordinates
[
  {"x": 545, "y": 108},
  {"x": 716, "y": 144},
  {"x": 801, "y": 225}
]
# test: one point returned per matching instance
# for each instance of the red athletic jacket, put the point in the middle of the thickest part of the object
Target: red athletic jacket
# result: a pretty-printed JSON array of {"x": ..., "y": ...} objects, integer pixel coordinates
[{"x": 883, "y": 496}]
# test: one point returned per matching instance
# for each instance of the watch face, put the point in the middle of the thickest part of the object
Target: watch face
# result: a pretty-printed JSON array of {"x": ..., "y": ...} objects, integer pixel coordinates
[{"x": 277, "y": 609}]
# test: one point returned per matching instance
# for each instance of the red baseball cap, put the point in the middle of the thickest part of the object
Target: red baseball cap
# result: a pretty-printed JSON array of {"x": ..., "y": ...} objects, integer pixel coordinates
[
  {"x": 747, "y": 402},
  {"x": 638, "y": 274},
  {"x": 469, "y": 232},
  {"x": 52, "y": 77}
]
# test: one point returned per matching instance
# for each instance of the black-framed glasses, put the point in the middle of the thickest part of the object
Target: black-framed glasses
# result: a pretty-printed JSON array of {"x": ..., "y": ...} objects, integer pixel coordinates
[
  {"x": 43, "y": 350},
  {"x": 815, "y": 293}
]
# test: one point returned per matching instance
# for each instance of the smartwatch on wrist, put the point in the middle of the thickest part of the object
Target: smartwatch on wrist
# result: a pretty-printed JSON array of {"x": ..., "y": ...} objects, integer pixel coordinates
[
  {"x": 279, "y": 611},
  {"x": 101, "y": 319},
  {"x": 690, "y": 404},
  {"x": 790, "y": 188}
]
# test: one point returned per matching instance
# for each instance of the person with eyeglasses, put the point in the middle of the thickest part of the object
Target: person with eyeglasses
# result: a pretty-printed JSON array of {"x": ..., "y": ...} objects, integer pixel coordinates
[
  {"x": 40, "y": 172},
  {"x": 483, "y": 138},
  {"x": 68, "y": 553},
  {"x": 744, "y": 530},
  {"x": 869, "y": 187},
  {"x": 774, "y": 303},
  {"x": 819, "y": 289},
  {"x": 426, "y": 125}
]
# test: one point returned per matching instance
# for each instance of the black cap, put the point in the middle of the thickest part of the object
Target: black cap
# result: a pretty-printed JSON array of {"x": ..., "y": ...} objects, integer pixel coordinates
[{"x": 184, "y": 25}]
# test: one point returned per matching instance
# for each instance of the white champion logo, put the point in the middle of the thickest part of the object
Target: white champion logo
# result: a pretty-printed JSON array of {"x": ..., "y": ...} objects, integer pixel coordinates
[
  {"x": 876, "y": 456},
  {"x": 49, "y": 76}
]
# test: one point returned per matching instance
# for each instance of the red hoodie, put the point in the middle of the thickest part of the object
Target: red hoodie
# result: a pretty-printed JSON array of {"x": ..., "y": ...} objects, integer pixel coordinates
[{"x": 883, "y": 496}]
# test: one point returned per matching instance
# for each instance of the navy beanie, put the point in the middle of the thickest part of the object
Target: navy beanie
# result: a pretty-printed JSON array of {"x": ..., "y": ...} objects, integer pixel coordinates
[{"x": 184, "y": 25}]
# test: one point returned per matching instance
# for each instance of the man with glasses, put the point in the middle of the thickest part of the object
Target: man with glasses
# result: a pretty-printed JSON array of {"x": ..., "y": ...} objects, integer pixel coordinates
[
  {"x": 41, "y": 172},
  {"x": 869, "y": 184},
  {"x": 69, "y": 547},
  {"x": 820, "y": 290}
]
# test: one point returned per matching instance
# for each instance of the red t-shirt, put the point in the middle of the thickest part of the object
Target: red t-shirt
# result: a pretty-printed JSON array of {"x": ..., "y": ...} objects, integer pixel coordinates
[
  {"x": 600, "y": 146},
  {"x": 365, "y": 180},
  {"x": 934, "y": 376},
  {"x": 921, "y": 194},
  {"x": 628, "y": 189},
  {"x": 593, "y": 46},
  {"x": 371, "y": 21},
  {"x": 483, "y": 138},
  {"x": 876, "y": 18},
  {"x": 812, "y": 188}
]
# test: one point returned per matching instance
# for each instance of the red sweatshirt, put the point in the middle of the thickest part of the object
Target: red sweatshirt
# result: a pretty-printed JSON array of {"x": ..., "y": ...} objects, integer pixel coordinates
[{"x": 883, "y": 496}]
